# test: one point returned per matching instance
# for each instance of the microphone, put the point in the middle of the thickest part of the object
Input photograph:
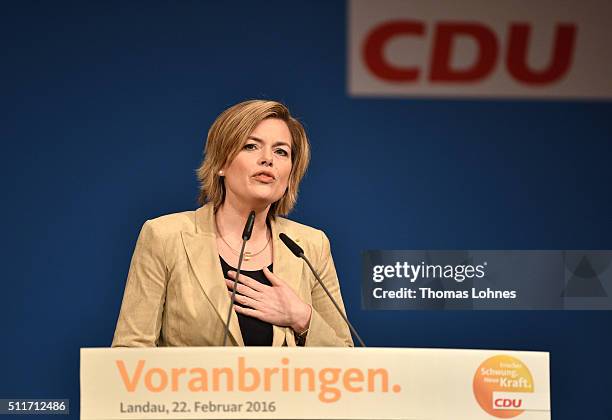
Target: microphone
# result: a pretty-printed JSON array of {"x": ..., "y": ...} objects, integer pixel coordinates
[
  {"x": 299, "y": 252},
  {"x": 248, "y": 228},
  {"x": 293, "y": 247},
  {"x": 246, "y": 235}
]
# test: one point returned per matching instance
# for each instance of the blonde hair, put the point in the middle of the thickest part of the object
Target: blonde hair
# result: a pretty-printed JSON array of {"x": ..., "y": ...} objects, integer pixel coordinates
[{"x": 227, "y": 136}]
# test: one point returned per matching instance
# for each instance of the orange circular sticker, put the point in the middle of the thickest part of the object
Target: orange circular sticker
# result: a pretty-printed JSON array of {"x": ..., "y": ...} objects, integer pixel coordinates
[{"x": 505, "y": 374}]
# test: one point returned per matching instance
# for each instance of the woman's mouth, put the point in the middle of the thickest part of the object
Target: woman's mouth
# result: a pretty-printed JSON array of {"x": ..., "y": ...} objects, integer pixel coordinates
[{"x": 264, "y": 178}]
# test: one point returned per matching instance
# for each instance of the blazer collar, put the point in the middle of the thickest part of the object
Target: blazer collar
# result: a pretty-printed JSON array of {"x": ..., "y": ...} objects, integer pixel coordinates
[{"x": 201, "y": 248}]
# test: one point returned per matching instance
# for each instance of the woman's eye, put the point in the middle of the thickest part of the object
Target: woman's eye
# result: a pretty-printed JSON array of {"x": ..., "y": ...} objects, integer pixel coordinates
[
  {"x": 282, "y": 152},
  {"x": 250, "y": 146}
]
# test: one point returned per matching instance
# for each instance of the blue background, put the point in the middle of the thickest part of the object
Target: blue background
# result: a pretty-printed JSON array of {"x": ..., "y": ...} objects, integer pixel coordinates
[{"x": 104, "y": 110}]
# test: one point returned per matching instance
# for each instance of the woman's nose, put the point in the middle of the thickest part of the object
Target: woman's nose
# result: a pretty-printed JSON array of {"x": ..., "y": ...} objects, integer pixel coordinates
[{"x": 266, "y": 158}]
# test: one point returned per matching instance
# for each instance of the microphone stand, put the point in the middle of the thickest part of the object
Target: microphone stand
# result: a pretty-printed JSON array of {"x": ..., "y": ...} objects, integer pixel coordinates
[
  {"x": 299, "y": 252},
  {"x": 246, "y": 235}
]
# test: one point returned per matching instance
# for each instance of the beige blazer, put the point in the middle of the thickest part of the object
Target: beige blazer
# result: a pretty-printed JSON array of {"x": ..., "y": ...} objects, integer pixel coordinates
[{"x": 176, "y": 295}]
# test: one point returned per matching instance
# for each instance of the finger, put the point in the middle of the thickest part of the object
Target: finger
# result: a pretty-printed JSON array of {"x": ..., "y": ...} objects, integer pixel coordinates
[
  {"x": 243, "y": 289},
  {"x": 246, "y": 281},
  {"x": 252, "y": 283},
  {"x": 274, "y": 279},
  {"x": 248, "y": 311},
  {"x": 246, "y": 301}
]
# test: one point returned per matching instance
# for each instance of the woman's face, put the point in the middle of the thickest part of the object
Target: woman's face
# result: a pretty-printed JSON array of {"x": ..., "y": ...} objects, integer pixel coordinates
[{"x": 259, "y": 174}]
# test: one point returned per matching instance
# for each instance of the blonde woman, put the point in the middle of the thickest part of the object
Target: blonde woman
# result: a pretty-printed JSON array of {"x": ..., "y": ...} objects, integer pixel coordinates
[{"x": 179, "y": 284}]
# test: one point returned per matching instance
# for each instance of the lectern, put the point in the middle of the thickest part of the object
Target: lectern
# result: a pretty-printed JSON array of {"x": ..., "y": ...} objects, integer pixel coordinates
[{"x": 313, "y": 383}]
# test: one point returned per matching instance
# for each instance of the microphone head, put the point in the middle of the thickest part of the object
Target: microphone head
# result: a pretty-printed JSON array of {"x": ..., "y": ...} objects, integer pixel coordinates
[
  {"x": 248, "y": 228},
  {"x": 293, "y": 247}
]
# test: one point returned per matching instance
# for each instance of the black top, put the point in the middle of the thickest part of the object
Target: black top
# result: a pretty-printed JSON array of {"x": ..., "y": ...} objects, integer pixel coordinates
[{"x": 254, "y": 331}]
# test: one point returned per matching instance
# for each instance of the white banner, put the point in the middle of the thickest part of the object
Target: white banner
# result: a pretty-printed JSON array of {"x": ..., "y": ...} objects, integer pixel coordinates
[
  {"x": 313, "y": 383},
  {"x": 480, "y": 48}
]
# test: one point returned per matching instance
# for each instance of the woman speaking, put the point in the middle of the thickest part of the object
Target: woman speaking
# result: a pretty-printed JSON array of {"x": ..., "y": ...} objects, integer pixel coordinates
[{"x": 183, "y": 269}]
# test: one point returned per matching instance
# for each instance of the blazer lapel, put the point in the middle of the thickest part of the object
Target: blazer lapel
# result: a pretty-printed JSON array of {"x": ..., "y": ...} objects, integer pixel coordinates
[{"x": 201, "y": 248}]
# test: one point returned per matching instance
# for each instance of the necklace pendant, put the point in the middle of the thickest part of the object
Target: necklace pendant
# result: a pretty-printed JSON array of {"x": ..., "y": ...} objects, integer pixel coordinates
[{"x": 247, "y": 256}]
